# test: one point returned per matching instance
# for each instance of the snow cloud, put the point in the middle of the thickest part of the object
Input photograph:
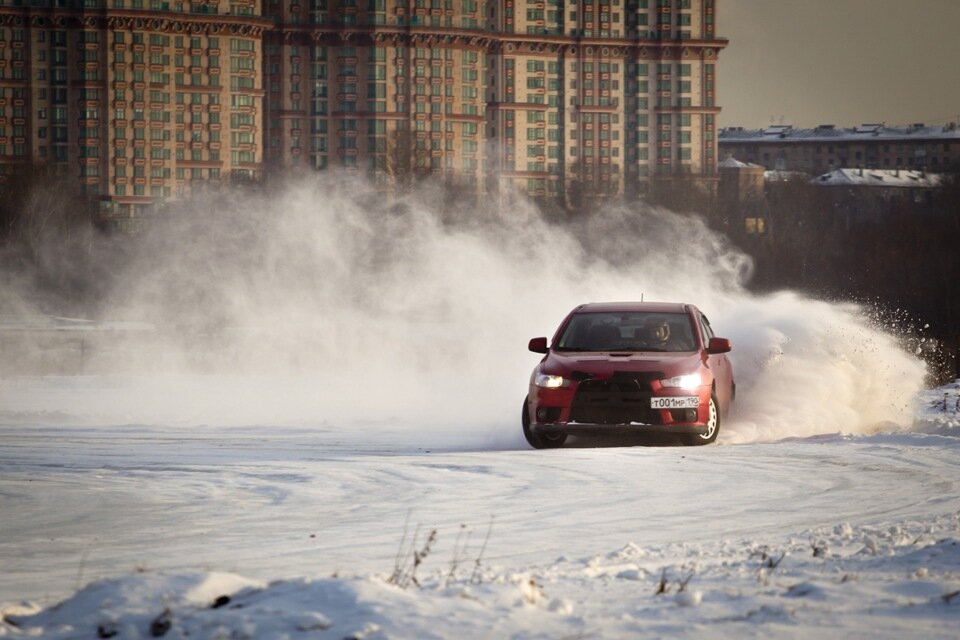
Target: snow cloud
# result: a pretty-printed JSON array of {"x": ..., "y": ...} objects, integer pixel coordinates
[{"x": 323, "y": 303}]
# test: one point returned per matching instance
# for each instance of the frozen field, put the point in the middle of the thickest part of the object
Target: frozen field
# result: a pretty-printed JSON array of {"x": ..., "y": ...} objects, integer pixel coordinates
[
  {"x": 296, "y": 414},
  {"x": 301, "y": 528}
]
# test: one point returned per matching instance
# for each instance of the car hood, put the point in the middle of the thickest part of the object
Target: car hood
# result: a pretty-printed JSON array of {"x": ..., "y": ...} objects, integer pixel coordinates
[{"x": 603, "y": 364}]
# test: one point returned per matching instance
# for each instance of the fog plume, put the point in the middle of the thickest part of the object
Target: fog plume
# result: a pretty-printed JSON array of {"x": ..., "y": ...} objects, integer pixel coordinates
[{"x": 322, "y": 303}]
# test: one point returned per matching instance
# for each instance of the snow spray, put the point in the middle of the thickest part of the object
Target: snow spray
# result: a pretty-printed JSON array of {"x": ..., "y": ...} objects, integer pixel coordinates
[{"x": 323, "y": 304}]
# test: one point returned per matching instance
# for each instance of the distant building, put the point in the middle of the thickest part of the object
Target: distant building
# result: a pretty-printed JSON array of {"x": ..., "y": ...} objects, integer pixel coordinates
[
  {"x": 749, "y": 195},
  {"x": 138, "y": 102},
  {"x": 393, "y": 88},
  {"x": 868, "y": 194},
  {"x": 742, "y": 196},
  {"x": 910, "y": 185},
  {"x": 825, "y": 148},
  {"x": 740, "y": 181},
  {"x": 143, "y": 100},
  {"x": 597, "y": 96}
]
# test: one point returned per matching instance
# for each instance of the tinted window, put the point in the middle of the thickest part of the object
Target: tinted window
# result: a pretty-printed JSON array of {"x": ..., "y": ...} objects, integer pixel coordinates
[{"x": 628, "y": 332}]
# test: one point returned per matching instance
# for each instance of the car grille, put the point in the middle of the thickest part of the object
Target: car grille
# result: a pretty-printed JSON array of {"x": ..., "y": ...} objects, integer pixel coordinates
[{"x": 620, "y": 399}]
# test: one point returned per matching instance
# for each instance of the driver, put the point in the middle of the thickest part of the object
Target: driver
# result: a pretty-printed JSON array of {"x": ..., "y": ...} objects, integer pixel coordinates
[{"x": 656, "y": 331}]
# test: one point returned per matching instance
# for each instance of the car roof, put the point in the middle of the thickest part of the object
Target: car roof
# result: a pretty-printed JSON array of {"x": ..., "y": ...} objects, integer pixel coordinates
[{"x": 633, "y": 307}]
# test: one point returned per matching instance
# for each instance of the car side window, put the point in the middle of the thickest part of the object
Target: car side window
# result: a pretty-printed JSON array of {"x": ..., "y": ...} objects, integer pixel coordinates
[{"x": 706, "y": 328}]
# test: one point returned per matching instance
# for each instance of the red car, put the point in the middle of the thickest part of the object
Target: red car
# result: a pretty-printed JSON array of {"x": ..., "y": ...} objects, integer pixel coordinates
[{"x": 629, "y": 367}]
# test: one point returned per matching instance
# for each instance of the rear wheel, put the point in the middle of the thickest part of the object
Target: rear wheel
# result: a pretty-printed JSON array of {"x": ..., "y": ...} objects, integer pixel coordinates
[
  {"x": 539, "y": 440},
  {"x": 713, "y": 424}
]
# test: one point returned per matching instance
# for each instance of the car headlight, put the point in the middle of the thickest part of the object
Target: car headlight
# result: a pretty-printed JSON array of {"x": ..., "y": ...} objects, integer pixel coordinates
[
  {"x": 688, "y": 381},
  {"x": 551, "y": 382}
]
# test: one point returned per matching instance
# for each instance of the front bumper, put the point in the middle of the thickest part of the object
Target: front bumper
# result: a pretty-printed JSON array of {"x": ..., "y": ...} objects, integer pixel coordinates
[
  {"x": 619, "y": 404},
  {"x": 604, "y": 429}
]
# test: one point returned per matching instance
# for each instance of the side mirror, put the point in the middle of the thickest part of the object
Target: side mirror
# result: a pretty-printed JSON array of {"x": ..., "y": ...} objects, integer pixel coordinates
[
  {"x": 538, "y": 345},
  {"x": 718, "y": 345}
]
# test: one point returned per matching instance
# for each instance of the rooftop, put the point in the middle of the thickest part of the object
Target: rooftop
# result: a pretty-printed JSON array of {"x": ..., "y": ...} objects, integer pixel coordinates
[
  {"x": 829, "y": 132},
  {"x": 632, "y": 307},
  {"x": 879, "y": 178},
  {"x": 733, "y": 163}
]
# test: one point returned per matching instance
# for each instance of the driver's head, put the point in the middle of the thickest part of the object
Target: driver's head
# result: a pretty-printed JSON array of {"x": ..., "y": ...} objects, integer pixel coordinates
[{"x": 657, "y": 330}]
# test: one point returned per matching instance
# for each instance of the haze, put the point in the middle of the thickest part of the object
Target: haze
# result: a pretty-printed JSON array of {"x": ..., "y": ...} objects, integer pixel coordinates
[
  {"x": 316, "y": 304},
  {"x": 841, "y": 62}
]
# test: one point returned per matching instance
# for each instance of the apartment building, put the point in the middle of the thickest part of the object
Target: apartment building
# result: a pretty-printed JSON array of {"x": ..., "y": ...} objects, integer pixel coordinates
[
  {"x": 825, "y": 148},
  {"x": 144, "y": 100},
  {"x": 141, "y": 101},
  {"x": 392, "y": 88},
  {"x": 602, "y": 96},
  {"x": 543, "y": 97}
]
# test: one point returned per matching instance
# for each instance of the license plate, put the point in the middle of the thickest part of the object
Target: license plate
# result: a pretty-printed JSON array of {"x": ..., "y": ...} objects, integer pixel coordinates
[{"x": 674, "y": 402}]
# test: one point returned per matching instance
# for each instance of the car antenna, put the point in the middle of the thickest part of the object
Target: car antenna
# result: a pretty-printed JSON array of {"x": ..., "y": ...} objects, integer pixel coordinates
[{"x": 641, "y": 296}]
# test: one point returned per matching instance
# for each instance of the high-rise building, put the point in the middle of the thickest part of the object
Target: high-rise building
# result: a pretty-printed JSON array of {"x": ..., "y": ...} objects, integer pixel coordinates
[
  {"x": 549, "y": 97},
  {"x": 392, "y": 87},
  {"x": 601, "y": 96},
  {"x": 139, "y": 100},
  {"x": 142, "y": 100}
]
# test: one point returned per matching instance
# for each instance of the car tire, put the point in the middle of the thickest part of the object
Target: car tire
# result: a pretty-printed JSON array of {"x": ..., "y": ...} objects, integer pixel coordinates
[
  {"x": 733, "y": 397},
  {"x": 538, "y": 440},
  {"x": 712, "y": 421}
]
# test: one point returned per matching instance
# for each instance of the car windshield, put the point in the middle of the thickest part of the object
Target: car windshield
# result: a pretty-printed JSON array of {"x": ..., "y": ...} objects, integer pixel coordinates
[{"x": 628, "y": 332}]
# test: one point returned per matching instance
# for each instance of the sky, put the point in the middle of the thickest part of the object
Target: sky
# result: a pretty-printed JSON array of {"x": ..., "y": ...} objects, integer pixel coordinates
[{"x": 842, "y": 62}]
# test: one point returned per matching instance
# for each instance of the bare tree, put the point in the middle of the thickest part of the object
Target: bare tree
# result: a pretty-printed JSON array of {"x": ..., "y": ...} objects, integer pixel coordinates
[
  {"x": 400, "y": 158},
  {"x": 48, "y": 235}
]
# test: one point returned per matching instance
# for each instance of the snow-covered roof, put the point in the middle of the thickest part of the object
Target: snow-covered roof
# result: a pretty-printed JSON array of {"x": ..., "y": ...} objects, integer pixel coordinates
[
  {"x": 733, "y": 163},
  {"x": 879, "y": 178},
  {"x": 828, "y": 132},
  {"x": 784, "y": 176}
]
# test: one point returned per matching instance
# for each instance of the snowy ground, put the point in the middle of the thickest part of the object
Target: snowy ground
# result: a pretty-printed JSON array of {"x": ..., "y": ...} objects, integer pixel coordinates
[
  {"x": 283, "y": 395},
  {"x": 292, "y": 532}
]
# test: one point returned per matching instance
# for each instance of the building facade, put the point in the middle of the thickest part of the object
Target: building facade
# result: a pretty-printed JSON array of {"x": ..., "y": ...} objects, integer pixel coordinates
[
  {"x": 826, "y": 147},
  {"x": 143, "y": 100},
  {"x": 140, "y": 101},
  {"x": 601, "y": 97},
  {"x": 391, "y": 88},
  {"x": 543, "y": 97}
]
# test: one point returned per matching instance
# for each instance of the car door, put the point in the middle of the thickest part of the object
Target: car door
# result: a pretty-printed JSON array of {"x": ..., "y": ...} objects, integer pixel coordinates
[{"x": 718, "y": 363}]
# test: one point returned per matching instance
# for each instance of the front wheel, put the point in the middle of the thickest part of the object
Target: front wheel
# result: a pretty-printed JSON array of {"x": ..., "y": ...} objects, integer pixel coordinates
[
  {"x": 713, "y": 425},
  {"x": 539, "y": 440}
]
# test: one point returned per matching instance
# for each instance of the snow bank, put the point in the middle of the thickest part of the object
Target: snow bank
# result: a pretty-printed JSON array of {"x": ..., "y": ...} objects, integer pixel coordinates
[
  {"x": 938, "y": 410},
  {"x": 900, "y": 580}
]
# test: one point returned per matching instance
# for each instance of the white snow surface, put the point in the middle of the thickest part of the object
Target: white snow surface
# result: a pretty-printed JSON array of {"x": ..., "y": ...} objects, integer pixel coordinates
[
  {"x": 890, "y": 178},
  {"x": 286, "y": 532},
  {"x": 297, "y": 415}
]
